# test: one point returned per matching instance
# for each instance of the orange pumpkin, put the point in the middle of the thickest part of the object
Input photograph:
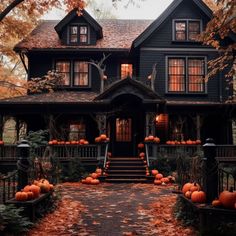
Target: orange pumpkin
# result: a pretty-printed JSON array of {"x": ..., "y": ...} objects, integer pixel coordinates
[
  {"x": 189, "y": 142},
  {"x": 140, "y": 145},
  {"x": 44, "y": 187},
  {"x": 30, "y": 195},
  {"x": 216, "y": 203},
  {"x": 183, "y": 142},
  {"x": 198, "y": 141},
  {"x": 159, "y": 176},
  {"x": 154, "y": 172},
  {"x": 157, "y": 182},
  {"x": 21, "y": 196},
  {"x": 1, "y": 142},
  {"x": 198, "y": 197},
  {"x": 142, "y": 154},
  {"x": 94, "y": 175},
  {"x": 26, "y": 188},
  {"x": 98, "y": 171},
  {"x": 156, "y": 140},
  {"x": 103, "y": 137},
  {"x": 188, "y": 194},
  {"x": 97, "y": 139},
  {"x": 35, "y": 190},
  {"x": 195, "y": 187},
  {"x": 95, "y": 181},
  {"x": 44, "y": 181},
  {"x": 228, "y": 198},
  {"x": 186, "y": 187},
  {"x": 150, "y": 138},
  {"x": 165, "y": 180},
  {"x": 146, "y": 139},
  {"x": 88, "y": 180},
  {"x": 83, "y": 181},
  {"x": 86, "y": 142},
  {"x": 168, "y": 142}
]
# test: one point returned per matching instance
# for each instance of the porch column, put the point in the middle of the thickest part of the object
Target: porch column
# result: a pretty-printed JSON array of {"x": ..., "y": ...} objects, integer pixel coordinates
[
  {"x": 51, "y": 127},
  {"x": 198, "y": 123},
  {"x": 1, "y": 127},
  {"x": 17, "y": 127},
  {"x": 102, "y": 122},
  {"x": 150, "y": 123}
]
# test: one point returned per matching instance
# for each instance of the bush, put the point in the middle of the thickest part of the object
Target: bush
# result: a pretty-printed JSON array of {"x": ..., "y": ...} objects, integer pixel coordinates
[{"x": 12, "y": 220}]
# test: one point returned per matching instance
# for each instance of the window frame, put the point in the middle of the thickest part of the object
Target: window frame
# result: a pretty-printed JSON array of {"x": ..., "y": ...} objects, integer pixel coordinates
[
  {"x": 67, "y": 61},
  {"x": 72, "y": 73},
  {"x": 186, "y": 74},
  {"x": 78, "y": 34},
  {"x": 187, "y": 21},
  {"x": 126, "y": 63}
]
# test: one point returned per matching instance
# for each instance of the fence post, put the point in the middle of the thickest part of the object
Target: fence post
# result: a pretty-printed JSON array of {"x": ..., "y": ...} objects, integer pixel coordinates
[
  {"x": 23, "y": 164},
  {"x": 210, "y": 170}
]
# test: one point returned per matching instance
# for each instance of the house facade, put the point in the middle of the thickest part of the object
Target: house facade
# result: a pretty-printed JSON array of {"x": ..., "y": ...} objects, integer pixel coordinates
[{"x": 125, "y": 78}]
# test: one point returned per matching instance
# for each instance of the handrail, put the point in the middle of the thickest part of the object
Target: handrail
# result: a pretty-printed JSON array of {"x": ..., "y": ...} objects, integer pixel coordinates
[{"x": 224, "y": 180}]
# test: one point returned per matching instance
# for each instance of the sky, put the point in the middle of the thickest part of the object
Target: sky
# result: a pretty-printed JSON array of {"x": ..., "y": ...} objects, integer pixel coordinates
[{"x": 146, "y": 9}]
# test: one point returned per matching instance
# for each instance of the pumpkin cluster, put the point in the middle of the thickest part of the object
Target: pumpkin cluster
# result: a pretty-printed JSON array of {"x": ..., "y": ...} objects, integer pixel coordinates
[
  {"x": 160, "y": 179},
  {"x": 227, "y": 199},
  {"x": 142, "y": 156},
  {"x": 102, "y": 138},
  {"x": 193, "y": 191},
  {"x": 1, "y": 142},
  {"x": 93, "y": 178},
  {"x": 33, "y": 191},
  {"x": 152, "y": 138},
  {"x": 183, "y": 142},
  {"x": 73, "y": 142}
]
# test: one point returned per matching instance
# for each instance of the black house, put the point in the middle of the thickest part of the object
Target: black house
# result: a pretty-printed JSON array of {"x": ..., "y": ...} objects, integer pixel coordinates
[{"x": 150, "y": 80}]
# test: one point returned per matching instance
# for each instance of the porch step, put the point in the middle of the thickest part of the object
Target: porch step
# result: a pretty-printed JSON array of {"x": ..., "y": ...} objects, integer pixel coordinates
[{"x": 126, "y": 169}]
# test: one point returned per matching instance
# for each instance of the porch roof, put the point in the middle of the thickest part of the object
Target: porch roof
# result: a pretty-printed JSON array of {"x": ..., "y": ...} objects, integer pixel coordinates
[
  {"x": 53, "y": 97},
  {"x": 193, "y": 103}
]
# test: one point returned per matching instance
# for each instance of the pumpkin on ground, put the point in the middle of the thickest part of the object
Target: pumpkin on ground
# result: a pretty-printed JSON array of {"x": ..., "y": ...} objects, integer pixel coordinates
[
  {"x": 95, "y": 181},
  {"x": 88, "y": 180},
  {"x": 228, "y": 198},
  {"x": 216, "y": 203},
  {"x": 198, "y": 197},
  {"x": 186, "y": 187},
  {"x": 165, "y": 180},
  {"x": 159, "y": 176},
  {"x": 154, "y": 172},
  {"x": 94, "y": 175},
  {"x": 188, "y": 194},
  {"x": 157, "y": 182},
  {"x": 21, "y": 196}
]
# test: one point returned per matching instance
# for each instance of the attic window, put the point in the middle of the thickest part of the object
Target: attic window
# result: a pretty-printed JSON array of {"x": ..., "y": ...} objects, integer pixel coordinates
[
  {"x": 186, "y": 30},
  {"x": 78, "y": 34}
]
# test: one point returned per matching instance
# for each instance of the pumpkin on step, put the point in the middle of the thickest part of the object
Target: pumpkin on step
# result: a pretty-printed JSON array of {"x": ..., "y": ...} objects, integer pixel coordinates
[
  {"x": 228, "y": 198},
  {"x": 21, "y": 196},
  {"x": 198, "y": 197}
]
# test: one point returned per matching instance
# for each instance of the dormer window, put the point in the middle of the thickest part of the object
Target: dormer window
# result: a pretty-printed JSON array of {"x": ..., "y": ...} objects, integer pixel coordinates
[
  {"x": 78, "y": 34},
  {"x": 186, "y": 30}
]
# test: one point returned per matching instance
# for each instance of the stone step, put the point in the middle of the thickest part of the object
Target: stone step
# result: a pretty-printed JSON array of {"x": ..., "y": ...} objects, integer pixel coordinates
[
  {"x": 127, "y": 175},
  {"x": 121, "y": 171},
  {"x": 124, "y": 159},
  {"x": 125, "y": 167},
  {"x": 130, "y": 180}
]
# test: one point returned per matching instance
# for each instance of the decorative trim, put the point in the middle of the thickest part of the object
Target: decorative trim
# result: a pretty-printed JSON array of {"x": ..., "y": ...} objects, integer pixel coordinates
[{"x": 179, "y": 49}]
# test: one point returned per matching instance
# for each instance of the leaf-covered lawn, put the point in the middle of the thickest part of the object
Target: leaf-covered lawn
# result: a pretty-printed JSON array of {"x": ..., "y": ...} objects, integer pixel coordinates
[{"x": 113, "y": 209}]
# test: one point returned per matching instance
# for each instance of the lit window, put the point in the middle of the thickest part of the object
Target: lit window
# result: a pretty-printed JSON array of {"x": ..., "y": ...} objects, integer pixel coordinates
[
  {"x": 63, "y": 67},
  {"x": 81, "y": 74},
  {"x": 83, "y": 34},
  {"x": 78, "y": 34},
  {"x": 126, "y": 71},
  {"x": 73, "y": 34},
  {"x": 186, "y": 30},
  {"x": 186, "y": 74},
  {"x": 77, "y": 131}
]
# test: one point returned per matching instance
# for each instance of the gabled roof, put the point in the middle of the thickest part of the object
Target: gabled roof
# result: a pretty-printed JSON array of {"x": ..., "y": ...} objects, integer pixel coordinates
[
  {"x": 71, "y": 15},
  {"x": 44, "y": 36},
  {"x": 132, "y": 87},
  {"x": 155, "y": 24}
]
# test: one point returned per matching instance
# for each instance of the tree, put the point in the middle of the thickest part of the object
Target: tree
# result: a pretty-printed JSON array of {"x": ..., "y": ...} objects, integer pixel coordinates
[{"x": 220, "y": 33}]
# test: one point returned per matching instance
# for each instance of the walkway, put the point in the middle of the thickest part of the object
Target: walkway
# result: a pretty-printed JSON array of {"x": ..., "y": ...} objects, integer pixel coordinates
[{"x": 113, "y": 210}]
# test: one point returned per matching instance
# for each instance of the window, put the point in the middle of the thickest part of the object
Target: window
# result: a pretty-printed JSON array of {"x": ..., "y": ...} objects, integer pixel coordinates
[
  {"x": 126, "y": 71},
  {"x": 186, "y": 75},
  {"x": 75, "y": 73},
  {"x": 77, "y": 130},
  {"x": 123, "y": 130},
  {"x": 63, "y": 67},
  {"x": 78, "y": 34},
  {"x": 81, "y": 74},
  {"x": 186, "y": 30}
]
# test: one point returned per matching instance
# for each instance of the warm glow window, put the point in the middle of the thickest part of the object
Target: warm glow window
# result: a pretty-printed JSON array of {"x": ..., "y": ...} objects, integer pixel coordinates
[
  {"x": 81, "y": 74},
  {"x": 78, "y": 34},
  {"x": 63, "y": 67},
  {"x": 77, "y": 131},
  {"x": 126, "y": 71},
  {"x": 123, "y": 130},
  {"x": 186, "y": 75},
  {"x": 186, "y": 30}
]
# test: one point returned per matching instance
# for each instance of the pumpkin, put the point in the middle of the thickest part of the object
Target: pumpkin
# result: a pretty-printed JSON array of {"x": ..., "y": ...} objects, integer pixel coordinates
[
  {"x": 88, "y": 180},
  {"x": 67, "y": 142},
  {"x": 95, "y": 181},
  {"x": 83, "y": 181},
  {"x": 150, "y": 138},
  {"x": 1, "y": 142},
  {"x": 51, "y": 187},
  {"x": 154, "y": 172},
  {"x": 30, "y": 195},
  {"x": 186, "y": 187},
  {"x": 103, "y": 137},
  {"x": 195, "y": 187},
  {"x": 21, "y": 196},
  {"x": 44, "y": 187},
  {"x": 26, "y": 188},
  {"x": 98, "y": 170},
  {"x": 86, "y": 142},
  {"x": 50, "y": 143},
  {"x": 142, "y": 154},
  {"x": 198, "y": 197},
  {"x": 54, "y": 142},
  {"x": 183, "y": 142},
  {"x": 94, "y": 175},
  {"x": 157, "y": 182},
  {"x": 165, "y": 180},
  {"x": 188, "y": 194},
  {"x": 140, "y": 145},
  {"x": 97, "y": 139},
  {"x": 43, "y": 181},
  {"x": 159, "y": 176},
  {"x": 156, "y": 140},
  {"x": 228, "y": 198},
  {"x": 147, "y": 173},
  {"x": 35, "y": 190},
  {"x": 168, "y": 142},
  {"x": 198, "y": 141},
  {"x": 216, "y": 203},
  {"x": 189, "y": 142},
  {"x": 146, "y": 139}
]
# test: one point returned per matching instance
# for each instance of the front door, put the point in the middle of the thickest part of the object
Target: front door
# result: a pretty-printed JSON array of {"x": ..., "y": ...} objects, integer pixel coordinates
[{"x": 125, "y": 135}]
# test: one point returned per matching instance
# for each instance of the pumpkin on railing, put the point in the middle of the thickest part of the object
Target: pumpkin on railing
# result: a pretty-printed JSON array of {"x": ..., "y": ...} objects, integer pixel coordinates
[{"x": 72, "y": 142}]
